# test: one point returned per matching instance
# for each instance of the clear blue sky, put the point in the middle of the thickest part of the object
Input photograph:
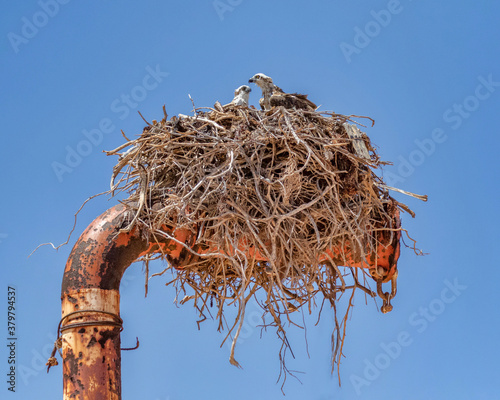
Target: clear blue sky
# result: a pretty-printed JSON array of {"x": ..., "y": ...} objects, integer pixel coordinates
[{"x": 428, "y": 72}]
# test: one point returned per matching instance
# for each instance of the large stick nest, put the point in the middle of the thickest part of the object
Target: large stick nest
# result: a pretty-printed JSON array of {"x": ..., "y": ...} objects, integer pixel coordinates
[{"x": 283, "y": 185}]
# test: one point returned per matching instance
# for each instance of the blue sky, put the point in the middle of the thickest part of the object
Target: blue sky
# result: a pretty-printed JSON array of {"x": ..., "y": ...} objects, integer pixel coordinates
[{"x": 74, "y": 75}]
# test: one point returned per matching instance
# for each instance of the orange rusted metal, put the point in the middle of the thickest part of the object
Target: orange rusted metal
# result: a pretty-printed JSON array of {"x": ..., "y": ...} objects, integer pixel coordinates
[
  {"x": 91, "y": 304},
  {"x": 382, "y": 264},
  {"x": 90, "y": 297},
  {"x": 91, "y": 344}
]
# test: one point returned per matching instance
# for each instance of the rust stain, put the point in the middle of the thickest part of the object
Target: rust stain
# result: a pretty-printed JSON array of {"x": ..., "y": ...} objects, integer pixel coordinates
[{"x": 92, "y": 334}]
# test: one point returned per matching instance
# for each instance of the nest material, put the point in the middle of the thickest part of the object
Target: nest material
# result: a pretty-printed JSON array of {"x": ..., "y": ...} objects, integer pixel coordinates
[{"x": 283, "y": 185}]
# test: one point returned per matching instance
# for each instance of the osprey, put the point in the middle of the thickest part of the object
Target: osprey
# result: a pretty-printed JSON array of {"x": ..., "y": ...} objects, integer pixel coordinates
[
  {"x": 273, "y": 96},
  {"x": 241, "y": 96}
]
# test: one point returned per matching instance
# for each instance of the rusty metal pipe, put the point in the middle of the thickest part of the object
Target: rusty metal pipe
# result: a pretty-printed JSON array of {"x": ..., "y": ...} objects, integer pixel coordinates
[{"x": 90, "y": 299}]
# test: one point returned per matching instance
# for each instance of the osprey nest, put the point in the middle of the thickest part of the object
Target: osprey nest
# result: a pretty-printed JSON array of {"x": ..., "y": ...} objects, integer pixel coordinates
[{"x": 281, "y": 206}]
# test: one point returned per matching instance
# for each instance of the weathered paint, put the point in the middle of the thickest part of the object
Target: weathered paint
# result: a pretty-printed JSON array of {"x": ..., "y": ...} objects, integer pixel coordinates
[
  {"x": 91, "y": 349},
  {"x": 91, "y": 354},
  {"x": 101, "y": 254}
]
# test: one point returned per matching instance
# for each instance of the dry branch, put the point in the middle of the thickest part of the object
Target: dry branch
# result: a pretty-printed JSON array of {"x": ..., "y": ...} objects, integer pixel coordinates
[{"x": 283, "y": 185}]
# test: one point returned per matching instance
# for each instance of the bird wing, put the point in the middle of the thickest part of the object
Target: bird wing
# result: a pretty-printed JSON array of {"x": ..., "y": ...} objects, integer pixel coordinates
[
  {"x": 292, "y": 100},
  {"x": 305, "y": 100}
]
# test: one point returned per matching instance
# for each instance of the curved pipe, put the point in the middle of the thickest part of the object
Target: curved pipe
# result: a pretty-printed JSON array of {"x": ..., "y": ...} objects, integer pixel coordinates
[
  {"x": 90, "y": 297},
  {"x": 91, "y": 303}
]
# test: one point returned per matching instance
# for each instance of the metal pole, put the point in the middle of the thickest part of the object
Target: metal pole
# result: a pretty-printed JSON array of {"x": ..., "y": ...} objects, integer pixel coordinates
[{"x": 90, "y": 298}]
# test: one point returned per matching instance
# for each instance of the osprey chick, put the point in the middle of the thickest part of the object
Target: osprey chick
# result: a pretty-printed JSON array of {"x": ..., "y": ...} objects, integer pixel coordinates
[
  {"x": 273, "y": 96},
  {"x": 241, "y": 96}
]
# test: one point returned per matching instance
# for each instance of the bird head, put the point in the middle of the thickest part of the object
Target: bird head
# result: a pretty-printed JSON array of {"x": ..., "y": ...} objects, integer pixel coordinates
[
  {"x": 261, "y": 80},
  {"x": 242, "y": 89}
]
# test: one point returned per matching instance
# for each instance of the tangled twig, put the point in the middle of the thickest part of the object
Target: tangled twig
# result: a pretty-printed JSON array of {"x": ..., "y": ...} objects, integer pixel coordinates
[{"x": 265, "y": 194}]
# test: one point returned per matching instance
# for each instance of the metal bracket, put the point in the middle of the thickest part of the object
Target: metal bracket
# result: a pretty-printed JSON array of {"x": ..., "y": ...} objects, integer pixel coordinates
[{"x": 386, "y": 296}]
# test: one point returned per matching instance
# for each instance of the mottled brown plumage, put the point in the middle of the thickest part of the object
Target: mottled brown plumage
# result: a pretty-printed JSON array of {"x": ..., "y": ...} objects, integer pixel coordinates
[{"x": 273, "y": 96}]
